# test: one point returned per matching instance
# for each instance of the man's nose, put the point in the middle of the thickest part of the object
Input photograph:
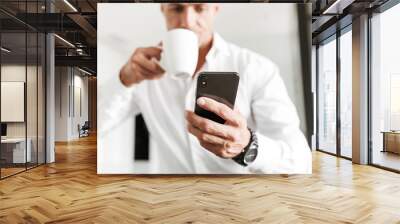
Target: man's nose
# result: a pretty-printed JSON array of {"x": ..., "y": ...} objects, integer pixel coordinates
[{"x": 188, "y": 18}]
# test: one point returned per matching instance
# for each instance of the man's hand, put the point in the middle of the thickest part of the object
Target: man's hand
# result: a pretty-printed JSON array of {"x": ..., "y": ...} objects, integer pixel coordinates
[
  {"x": 142, "y": 65},
  {"x": 224, "y": 140}
]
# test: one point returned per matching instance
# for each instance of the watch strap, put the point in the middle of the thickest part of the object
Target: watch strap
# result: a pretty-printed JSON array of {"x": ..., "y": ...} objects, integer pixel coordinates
[{"x": 240, "y": 158}]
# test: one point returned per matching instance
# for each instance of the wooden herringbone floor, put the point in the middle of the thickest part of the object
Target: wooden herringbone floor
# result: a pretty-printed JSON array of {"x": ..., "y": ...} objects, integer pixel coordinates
[{"x": 70, "y": 191}]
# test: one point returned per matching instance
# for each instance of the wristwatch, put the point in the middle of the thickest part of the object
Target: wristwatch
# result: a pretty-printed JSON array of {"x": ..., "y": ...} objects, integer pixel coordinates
[{"x": 249, "y": 153}]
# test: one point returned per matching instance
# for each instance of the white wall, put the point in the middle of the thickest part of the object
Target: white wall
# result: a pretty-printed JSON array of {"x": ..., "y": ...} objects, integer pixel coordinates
[
  {"x": 272, "y": 31},
  {"x": 269, "y": 29},
  {"x": 68, "y": 82},
  {"x": 61, "y": 103},
  {"x": 15, "y": 72},
  {"x": 80, "y": 83},
  {"x": 33, "y": 126}
]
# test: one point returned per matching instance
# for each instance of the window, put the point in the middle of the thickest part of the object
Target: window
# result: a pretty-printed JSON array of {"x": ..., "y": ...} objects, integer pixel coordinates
[
  {"x": 346, "y": 94},
  {"x": 394, "y": 102},
  {"x": 327, "y": 96},
  {"x": 385, "y": 89}
]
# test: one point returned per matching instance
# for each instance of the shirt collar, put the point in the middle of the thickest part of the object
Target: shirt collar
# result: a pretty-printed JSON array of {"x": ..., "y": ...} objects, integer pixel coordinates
[{"x": 219, "y": 46}]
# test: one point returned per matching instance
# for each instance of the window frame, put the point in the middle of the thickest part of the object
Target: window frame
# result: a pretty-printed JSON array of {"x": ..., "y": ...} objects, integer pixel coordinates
[
  {"x": 334, "y": 37},
  {"x": 371, "y": 14}
]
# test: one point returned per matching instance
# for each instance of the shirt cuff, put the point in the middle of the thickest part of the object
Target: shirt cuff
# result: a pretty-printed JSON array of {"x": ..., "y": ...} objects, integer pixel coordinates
[{"x": 275, "y": 157}]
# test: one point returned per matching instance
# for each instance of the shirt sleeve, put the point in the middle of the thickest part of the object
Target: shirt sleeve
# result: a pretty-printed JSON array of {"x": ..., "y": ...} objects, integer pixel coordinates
[
  {"x": 117, "y": 105},
  {"x": 283, "y": 148}
]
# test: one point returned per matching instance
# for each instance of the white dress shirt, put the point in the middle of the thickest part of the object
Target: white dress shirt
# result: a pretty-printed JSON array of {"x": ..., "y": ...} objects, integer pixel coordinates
[{"x": 261, "y": 98}]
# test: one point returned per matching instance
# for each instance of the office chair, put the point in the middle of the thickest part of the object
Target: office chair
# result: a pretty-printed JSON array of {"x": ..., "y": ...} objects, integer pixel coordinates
[{"x": 84, "y": 130}]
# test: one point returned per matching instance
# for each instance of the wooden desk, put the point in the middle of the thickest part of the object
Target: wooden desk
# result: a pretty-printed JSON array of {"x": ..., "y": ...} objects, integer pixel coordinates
[
  {"x": 13, "y": 150},
  {"x": 391, "y": 141}
]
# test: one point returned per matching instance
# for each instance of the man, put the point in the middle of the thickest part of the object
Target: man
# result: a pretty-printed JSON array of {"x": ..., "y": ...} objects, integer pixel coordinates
[{"x": 261, "y": 135}]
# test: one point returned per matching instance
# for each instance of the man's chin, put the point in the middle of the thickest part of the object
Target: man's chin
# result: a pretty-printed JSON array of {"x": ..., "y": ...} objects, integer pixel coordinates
[{"x": 205, "y": 40}]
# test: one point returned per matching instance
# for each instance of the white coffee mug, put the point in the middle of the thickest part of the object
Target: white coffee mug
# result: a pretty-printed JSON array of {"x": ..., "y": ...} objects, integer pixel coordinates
[{"x": 180, "y": 53}]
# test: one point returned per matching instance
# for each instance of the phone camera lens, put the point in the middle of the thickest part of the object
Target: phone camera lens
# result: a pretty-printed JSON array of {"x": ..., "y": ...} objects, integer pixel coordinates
[{"x": 203, "y": 83}]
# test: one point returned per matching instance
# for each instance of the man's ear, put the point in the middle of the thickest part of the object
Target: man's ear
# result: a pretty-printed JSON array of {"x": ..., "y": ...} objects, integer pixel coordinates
[
  {"x": 162, "y": 7},
  {"x": 216, "y": 7}
]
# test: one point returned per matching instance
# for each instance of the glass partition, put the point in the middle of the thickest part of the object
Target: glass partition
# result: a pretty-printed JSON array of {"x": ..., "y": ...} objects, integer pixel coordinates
[
  {"x": 23, "y": 89},
  {"x": 41, "y": 107},
  {"x": 346, "y": 94},
  {"x": 385, "y": 89},
  {"x": 32, "y": 95},
  {"x": 327, "y": 96},
  {"x": 15, "y": 150}
]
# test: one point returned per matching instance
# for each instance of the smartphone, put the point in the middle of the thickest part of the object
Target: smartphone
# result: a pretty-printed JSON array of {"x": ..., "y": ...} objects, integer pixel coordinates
[{"x": 219, "y": 86}]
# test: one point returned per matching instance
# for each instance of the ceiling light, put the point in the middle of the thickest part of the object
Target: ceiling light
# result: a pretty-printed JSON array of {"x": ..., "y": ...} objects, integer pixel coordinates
[
  {"x": 64, "y": 40},
  {"x": 70, "y": 5},
  {"x": 328, "y": 10},
  {"x": 84, "y": 71},
  {"x": 79, "y": 51},
  {"x": 5, "y": 50},
  {"x": 337, "y": 7}
]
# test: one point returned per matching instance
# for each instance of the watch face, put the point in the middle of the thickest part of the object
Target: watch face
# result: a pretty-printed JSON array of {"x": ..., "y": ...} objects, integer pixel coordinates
[{"x": 250, "y": 155}]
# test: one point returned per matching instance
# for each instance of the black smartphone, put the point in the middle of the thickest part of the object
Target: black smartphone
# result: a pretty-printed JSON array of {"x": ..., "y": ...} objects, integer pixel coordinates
[{"x": 219, "y": 86}]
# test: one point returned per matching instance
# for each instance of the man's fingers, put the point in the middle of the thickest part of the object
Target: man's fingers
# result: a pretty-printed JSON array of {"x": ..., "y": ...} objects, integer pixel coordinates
[
  {"x": 150, "y": 52},
  {"x": 211, "y": 127},
  {"x": 158, "y": 64},
  {"x": 138, "y": 69},
  {"x": 220, "y": 109},
  {"x": 233, "y": 148},
  {"x": 203, "y": 136},
  {"x": 215, "y": 144},
  {"x": 148, "y": 64},
  {"x": 207, "y": 125},
  {"x": 217, "y": 150},
  {"x": 145, "y": 73}
]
